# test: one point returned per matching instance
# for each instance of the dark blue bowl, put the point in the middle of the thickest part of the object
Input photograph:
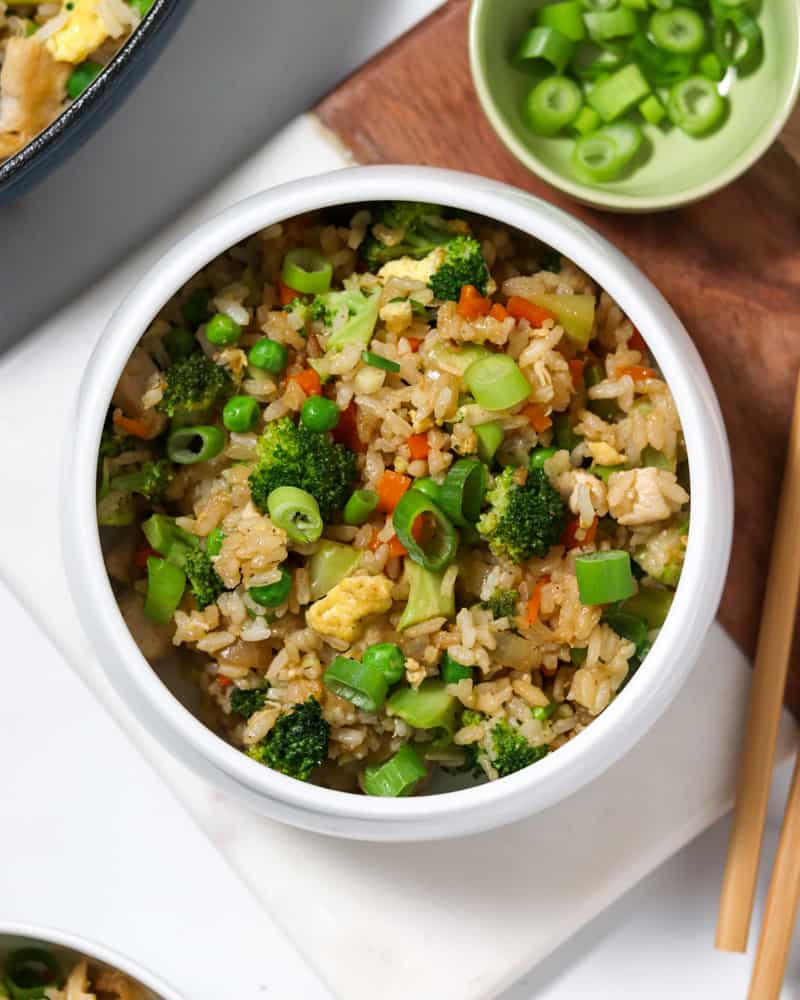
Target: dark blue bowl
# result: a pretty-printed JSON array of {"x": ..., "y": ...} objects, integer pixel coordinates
[{"x": 84, "y": 116}]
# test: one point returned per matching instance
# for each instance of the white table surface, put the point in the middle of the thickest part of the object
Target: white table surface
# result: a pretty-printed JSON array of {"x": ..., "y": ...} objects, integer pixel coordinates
[{"x": 444, "y": 932}]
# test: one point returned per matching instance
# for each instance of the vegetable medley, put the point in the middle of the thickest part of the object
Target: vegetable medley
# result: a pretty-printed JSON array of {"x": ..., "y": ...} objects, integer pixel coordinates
[
  {"x": 34, "y": 973},
  {"x": 50, "y": 53},
  {"x": 608, "y": 67},
  {"x": 406, "y": 490}
]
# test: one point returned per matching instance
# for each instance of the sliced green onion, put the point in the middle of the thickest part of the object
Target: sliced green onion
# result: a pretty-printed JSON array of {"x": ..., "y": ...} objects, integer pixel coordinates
[
  {"x": 578, "y": 656},
  {"x": 307, "y": 271},
  {"x": 429, "y": 706},
  {"x": 629, "y": 626},
  {"x": 651, "y": 604},
  {"x": 296, "y": 512},
  {"x": 398, "y": 777},
  {"x": 27, "y": 972},
  {"x": 606, "y": 409},
  {"x": 164, "y": 535},
  {"x": 360, "y": 506},
  {"x": 165, "y": 586},
  {"x": 679, "y": 30},
  {"x": 490, "y": 437},
  {"x": 605, "y": 472},
  {"x": 635, "y": 4},
  {"x": 565, "y": 436},
  {"x": 737, "y": 36},
  {"x": 376, "y": 361},
  {"x": 462, "y": 492},
  {"x": 547, "y": 45},
  {"x": 272, "y": 595},
  {"x": 387, "y": 657},
  {"x": 586, "y": 121},
  {"x": 497, "y": 382},
  {"x": 604, "y": 577},
  {"x": 604, "y": 25},
  {"x": 552, "y": 104},
  {"x": 591, "y": 60},
  {"x": 710, "y": 66},
  {"x": 189, "y": 445},
  {"x": 214, "y": 541},
  {"x": 438, "y": 548},
  {"x": 429, "y": 487},
  {"x": 453, "y": 672},
  {"x": 621, "y": 91},
  {"x": 661, "y": 68},
  {"x": 599, "y": 4},
  {"x": 652, "y": 110},
  {"x": 539, "y": 456},
  {"x": 544, "y": 712},
  {"x": 596, "y": 158},
  {"x": 566, "y": 17},
  {"x": 329, "y": 565},
  {"x": 574, "y": 312},
  {"x": 359, "y": 683},
  {"x": 695, "y": 105},
  {"x": 658, "y": 460}
]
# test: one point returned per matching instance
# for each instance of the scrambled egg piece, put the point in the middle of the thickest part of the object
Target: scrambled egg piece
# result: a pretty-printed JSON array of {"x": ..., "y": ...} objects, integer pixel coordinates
[
  {"x": 339, "y": 613},
  {"x": 415, "y": 270},
  {"x": 604, "y": 454},
  {"x": 84, "y": 31},
  {"x": 398, "y": 316}
]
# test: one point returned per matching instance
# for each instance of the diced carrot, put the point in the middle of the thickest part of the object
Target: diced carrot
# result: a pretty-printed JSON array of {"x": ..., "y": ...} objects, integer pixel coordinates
[
  {"x": 576, "y": 370},
  {"x": 471, "y": 304},
  {"x": 520, "y": 308},
  {"x": 140, "y": 556},
  {"x": 498, "y": 312},
  {"x": 308, "y": 380},
  {"x": 637, "y": 372},
  {"x": 287, "y": 294},
  {"x": 224, "y": 681},
  {"x": 413, "y": 343},
  {"x": 396, "y": 547},
  {"x": 346, "y": 431},
  {"x": 535, "y": 600},
  {"x": 569, "y": 538},
  {"x": 636, "y": 342},
  {"x": 418, "y": 446},
  {"x": 136, "y": 428},
  {"x": 391, "y": 486},
  {"x": 537, "y": 417}
]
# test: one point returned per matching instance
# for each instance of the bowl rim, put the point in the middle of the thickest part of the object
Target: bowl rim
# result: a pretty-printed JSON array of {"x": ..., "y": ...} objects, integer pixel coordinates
[
  {"x": 44, "y": 935},
  {"x": 672, "y": 655},
  {"x": 598, "y": 197}
]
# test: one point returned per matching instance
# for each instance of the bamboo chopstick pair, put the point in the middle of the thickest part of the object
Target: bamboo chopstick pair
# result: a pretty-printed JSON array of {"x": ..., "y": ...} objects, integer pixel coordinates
[{"x": 766, "y": 698}]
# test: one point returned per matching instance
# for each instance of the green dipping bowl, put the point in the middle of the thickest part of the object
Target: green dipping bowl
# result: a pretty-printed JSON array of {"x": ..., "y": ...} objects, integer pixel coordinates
[{"x": 673, "y": 168}]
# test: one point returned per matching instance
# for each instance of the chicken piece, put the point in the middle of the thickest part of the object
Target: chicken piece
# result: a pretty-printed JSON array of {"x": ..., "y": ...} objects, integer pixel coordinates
[
  {"x": 339, "y": 613},
  {"x": 32, "y": 93},
  {"x": 77, "y": 985},
  {"x": 640, "y": 496},
  {"x": 109, "y": 984},
  {"x": 139, "y": 375},
  {"x": 154, "y": 641},
  {"x": 418, "y": 270}
]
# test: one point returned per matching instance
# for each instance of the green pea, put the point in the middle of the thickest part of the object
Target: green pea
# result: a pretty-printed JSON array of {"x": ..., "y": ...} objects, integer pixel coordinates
[
  {"x": 80, "y": 78},
  {"x": 222, "y": 331},
  {"x": 141, "y": 6},
  {"x": 388, "y": 658},
  {"x": 319, "y": 414},
  {"x": 179, "y": 343},
  {"x": 241, "y": 414},
  {"x": 272, "y": 595},
  {"x": 268, "y": 355},
  {"x": 195, "y": 308}
]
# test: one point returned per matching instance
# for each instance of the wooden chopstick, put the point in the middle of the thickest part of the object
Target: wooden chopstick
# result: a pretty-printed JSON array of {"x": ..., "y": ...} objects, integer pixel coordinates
[
  {"x": 766, "y": 698},
  {"x": 781, "y": 908}
]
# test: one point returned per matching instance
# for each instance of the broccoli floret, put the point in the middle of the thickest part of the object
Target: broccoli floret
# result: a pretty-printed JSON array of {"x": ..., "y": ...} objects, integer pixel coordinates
[
  {"x": 297, "y": 743},
  {"x": 246, "y": 701},
  {"x": 423, "y": 230},
  {"x": 502, "y": 603},
  {"x": 292, "y": 455},
  {"x": 150, "y": 480},
  {"x": 463, "y": 265},
  {"x": 195, "y": 385},
  {"x": 522, "y": 520},
  {"x": 204, "y": 581},
  {"x": 511, "y": 751},
  {"x": 360, "y": 309}
]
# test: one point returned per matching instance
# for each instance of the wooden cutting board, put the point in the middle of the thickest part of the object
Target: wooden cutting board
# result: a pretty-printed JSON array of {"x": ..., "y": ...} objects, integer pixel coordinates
[{"x": 730, "y": 265}]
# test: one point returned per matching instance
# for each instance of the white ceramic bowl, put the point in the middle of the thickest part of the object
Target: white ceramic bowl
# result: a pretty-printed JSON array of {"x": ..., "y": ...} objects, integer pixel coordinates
[
  {"x": 70, "y": 949},
  {"x": 627, "y": 718}
]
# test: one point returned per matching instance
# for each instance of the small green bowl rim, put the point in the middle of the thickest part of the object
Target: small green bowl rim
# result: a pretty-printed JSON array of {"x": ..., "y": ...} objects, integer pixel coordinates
[{"x": 595, "y": 197}]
